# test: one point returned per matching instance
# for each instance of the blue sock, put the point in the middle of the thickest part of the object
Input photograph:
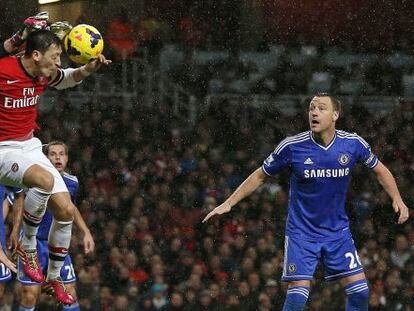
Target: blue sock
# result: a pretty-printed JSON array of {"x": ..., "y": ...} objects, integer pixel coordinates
[
  {"x": 23, "y": 308},
  {"x": 74, "y": 307},
  {"x": 357, "y": 296},
  {"x": 296, "y": 298}
]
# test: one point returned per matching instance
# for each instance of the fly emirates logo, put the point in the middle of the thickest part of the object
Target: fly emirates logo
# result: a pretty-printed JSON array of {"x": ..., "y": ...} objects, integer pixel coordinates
[
  {"x": 327, "y": 173},
  {"x": 29, "y": 99}
]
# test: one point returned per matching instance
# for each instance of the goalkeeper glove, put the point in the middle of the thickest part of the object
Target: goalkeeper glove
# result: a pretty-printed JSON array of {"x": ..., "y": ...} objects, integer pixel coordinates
[
  {"x": 32, "y": 23},
  {"x": 61, "y": 29}
]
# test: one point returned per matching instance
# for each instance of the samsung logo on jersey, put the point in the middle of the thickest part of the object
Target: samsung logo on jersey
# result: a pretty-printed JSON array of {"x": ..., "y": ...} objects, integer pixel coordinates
[{"x": 327, "y": 173}]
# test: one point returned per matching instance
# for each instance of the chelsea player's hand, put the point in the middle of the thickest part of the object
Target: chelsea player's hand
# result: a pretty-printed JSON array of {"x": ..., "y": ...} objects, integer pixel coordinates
[
  {"x": 221, "y": 209},
  {"x": 401, "y": 210}
]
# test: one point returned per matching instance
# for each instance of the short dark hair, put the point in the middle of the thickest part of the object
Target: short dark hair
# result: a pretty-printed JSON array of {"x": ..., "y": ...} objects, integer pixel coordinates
[
  {"x": 55, "y": 143},
  {"x": 40, "y": 41},
  {"x": 336, "y": 103}
]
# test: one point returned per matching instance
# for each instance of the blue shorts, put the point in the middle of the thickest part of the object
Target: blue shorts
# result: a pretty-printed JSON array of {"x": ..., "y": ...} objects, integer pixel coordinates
[
  {"x": 339, "y": 259},
  {"x": 5, "y": 273},
  {"x": 67, "y": 273}
]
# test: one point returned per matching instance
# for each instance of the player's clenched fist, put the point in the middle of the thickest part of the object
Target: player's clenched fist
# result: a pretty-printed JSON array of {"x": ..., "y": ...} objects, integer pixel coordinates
[{"x": 401, "y": 209}]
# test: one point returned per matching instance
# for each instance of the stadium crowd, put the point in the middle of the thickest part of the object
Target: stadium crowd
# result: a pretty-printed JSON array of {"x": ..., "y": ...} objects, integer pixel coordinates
[{"x": 147, "y": 179}]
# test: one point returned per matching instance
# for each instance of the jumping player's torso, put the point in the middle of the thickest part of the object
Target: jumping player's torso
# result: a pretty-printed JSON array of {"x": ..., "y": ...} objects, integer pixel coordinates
[
  {"x": 19, "y": 97},
  {"x": 319, "y": 181}
]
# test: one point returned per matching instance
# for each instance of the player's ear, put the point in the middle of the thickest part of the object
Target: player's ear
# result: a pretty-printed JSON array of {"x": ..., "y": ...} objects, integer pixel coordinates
[
  {"x": 36, "y": 55},
  {"x": 335, "y": 116}
]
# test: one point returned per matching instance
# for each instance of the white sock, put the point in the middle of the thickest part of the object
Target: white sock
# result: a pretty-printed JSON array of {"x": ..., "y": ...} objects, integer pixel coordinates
[
  {"x": 59, "y": 241},
  {"x": 34, "y": 208}
]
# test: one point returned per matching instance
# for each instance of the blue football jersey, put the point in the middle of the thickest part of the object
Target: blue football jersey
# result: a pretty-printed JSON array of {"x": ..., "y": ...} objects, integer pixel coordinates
[
  {"x": 319, "y": 182},
  {"x": 72, "y": 184},
  {"x": 2, "y": 227},
  {"x": 5, "y": 273}
]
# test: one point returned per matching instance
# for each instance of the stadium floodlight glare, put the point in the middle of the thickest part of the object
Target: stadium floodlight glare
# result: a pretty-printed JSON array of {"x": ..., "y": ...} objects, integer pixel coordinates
[{"x": 47, "y": 1}]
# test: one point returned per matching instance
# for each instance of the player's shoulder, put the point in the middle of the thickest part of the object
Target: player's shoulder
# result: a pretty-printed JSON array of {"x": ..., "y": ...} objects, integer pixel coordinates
[
  {"x": 303, "y": 136},
  {"x": 293, "y": 140},
  {"x": 8, "y": 63},
  {"x": 351, "y": 137},
  {"x": 8, "y": 60},
  {"x": 70, "y": 177}
]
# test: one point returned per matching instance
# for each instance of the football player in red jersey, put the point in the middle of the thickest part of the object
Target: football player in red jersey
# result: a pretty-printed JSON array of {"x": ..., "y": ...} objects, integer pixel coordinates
[{"x": 22, "y": 162}]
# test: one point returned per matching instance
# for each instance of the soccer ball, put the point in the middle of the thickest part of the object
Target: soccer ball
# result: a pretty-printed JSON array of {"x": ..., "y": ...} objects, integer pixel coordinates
[{"x": 83, "y": 43}]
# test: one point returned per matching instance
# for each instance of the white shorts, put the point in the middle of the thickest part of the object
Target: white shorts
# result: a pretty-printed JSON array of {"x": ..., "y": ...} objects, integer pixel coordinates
[{"x": 17, "y": 156}]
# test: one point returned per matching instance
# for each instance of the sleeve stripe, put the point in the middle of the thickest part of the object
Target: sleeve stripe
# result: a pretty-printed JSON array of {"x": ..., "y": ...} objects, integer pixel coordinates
[
  {"x": 72, "y": 177},
  {"x": 59, "y": 77},
  {"x": 284, "y": 144},
  {"x": 362, "y": 141},
  {"x": 375, "y": 163},
  {"x": 266, "y": 172},
  {"x": 344, "y": 134},
  {"x": 288, "y": 140}
]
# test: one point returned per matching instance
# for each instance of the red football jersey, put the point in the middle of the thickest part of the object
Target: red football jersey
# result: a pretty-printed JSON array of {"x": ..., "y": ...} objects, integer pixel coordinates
[{"x": 19, "y": 96}]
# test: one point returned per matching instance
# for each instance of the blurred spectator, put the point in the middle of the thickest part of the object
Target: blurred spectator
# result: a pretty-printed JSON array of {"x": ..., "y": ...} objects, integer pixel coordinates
[
  {"x": 153, "y": 32},
  {"x": 176, "y": 302},
  {"x": 159, "y": 299},
  {"x": 401, "y": 253},
  {"x": 121, "y": 303},
  {"x": 120, "y": 36},
  {"x": 190, "y": 32}
]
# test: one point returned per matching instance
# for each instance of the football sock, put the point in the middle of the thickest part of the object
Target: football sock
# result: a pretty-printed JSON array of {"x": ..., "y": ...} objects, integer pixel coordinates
[
  {"x": 296, "y": 298},
  {"x": 59, "y": 240},
  {"x": 34, "y": 209},
  {"x": 357, "y": 296}
]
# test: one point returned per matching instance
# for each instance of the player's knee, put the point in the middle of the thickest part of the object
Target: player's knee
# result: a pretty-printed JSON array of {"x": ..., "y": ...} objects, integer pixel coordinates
[
  {"x": 45, "y": 181},
  {"x": 65, "y": 212},
  {"x": 36, "y": 176},
  {"x": 29, "y": 296}
]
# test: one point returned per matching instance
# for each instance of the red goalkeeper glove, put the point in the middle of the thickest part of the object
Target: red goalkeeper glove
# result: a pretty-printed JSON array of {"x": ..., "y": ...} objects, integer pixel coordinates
[{"x": 32, "y": 23}]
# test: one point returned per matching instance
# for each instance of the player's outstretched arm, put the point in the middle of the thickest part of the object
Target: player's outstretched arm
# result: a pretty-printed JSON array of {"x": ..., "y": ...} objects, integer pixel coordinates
[
  {"x": 70, "y": 77},
  {"x": 249, "y": 185},
  {"x": 387, "y": 181},
  {"x": 82, "y": 72},
  {"x": 88, "y": 242},
  {"x": 17, "y": 214}
]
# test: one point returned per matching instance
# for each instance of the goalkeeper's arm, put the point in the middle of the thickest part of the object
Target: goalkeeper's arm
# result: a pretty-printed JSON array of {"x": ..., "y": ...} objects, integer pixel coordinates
[
  {"x": 6, "y": 48},
  {"x": 32, "y": 23}
]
